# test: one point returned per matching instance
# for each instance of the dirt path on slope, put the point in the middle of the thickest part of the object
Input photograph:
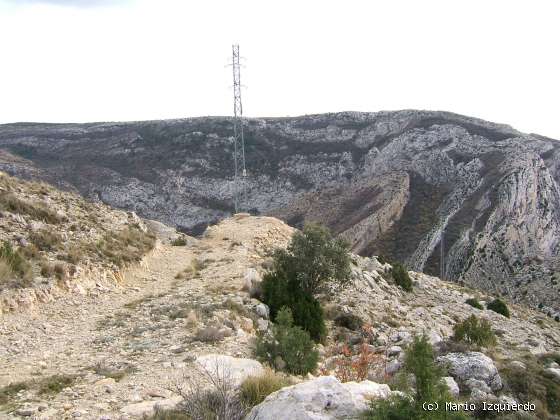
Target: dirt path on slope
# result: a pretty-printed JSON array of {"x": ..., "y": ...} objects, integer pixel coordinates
[
  {"x": 121, "y": 351},
  {"x": 75, "y": 333}
]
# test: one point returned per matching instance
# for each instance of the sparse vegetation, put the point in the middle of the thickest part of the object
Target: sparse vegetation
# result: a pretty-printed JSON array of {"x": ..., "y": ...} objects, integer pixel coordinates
[
  {"x": 116, "y": 373},
  {"x": 474, "y": 303},
  {"x": 420, "y": 363},
  {"x": 498, "y": 306},
  {"x": 213, "y": 395},
  {"x": 474, "y": 330},
  {"x": 209, "y": 335},
  {"x": 10, "y": 391},
  {"x": 15, "y": 271},
  {"x": 127, "y": 246},
  {"x": 255, "y": 389},
  {"x": 46, "y": 239},
  {"x": 534, "y": 384},
  {"x": 55, "y": 383},
  {"x": 289, "y": 347},
  {"x": 35, "y": 210}
]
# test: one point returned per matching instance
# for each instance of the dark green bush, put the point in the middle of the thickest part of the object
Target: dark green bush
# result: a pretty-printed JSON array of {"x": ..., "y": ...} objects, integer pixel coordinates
[
  {"x": 313, "y": 259},
  {"x": 350, "y": 321},
  {"x": 474, "y": 303},
  {"x": 498, "y": 306},
  {"x": 474, "y": 331},
  {"x": 306, "y": 310},
  {"x": 401, "y": 277},
  {"x": 288, "y": 343},
  {"x": 179, "y": 242}
]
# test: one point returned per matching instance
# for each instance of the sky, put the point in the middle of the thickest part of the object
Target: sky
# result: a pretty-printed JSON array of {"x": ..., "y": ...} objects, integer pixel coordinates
[{"x": 103, "y": 60}]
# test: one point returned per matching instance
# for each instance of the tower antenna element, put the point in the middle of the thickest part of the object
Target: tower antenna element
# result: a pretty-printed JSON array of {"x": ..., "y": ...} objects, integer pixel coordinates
[{"x": 240, "y": 171}]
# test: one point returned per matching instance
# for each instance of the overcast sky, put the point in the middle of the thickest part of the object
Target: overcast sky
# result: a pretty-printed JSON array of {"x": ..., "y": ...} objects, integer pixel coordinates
[{"x": 98, "y": 60}]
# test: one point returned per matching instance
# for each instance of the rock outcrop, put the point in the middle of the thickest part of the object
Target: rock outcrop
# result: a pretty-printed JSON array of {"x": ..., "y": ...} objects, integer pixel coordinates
[
  {"x": 322, "y": 398},
  {"x": 473, "y": 369},
  {"x": 391, "y": 183}
]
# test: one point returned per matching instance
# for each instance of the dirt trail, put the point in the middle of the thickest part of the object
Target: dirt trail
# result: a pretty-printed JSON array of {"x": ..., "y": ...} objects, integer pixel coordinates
[{"x": 126, "y": 347}]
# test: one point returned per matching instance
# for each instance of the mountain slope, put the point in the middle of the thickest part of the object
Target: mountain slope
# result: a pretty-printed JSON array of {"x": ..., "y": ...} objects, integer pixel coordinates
[{"x": 389, "y": 182}]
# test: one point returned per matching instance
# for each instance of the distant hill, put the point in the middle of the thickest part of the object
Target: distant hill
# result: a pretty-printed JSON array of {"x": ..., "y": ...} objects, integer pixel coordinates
[{"x": 389, "y": 182}]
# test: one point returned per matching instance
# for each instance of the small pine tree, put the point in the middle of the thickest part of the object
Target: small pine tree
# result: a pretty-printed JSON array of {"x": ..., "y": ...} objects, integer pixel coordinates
[
  {"x": 498, "y": 306},
  {"x": 289, "y": 343},
  {"x": 401, "y": 277}
]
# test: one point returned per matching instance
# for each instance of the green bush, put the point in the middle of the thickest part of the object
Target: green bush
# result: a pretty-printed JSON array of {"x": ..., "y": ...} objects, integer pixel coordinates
[
  {"x": 306, "y": 311},
  {"x": 474, "y": 331},
  {"x": 474, "y": 303},
  {"x": 498, "y": 306},
  {"x": 288, "y": 343},
  {"x": 313, "y": 259},
  {"x": 401, "y": 277}
]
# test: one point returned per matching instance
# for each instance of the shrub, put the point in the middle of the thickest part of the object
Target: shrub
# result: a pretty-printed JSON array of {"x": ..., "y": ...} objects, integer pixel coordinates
[
  {"x": 210, "y": 395},
  {"x": 37, "y": 211},
  {"x": 498, "y": 306},
  {"x": 350, "y": 321},
  {"x": 314, "y": 258},
  {"x": 289, "y": 343},
  {"x": 209, "y": 335},
  {"x": 56, "y": 383},
  {"x": 126, "y": 246},
  {"x": 179, "y": 242},
  {"x": 46, "y": 239},
  {"x": 533, "y": 384},
  {"x": 474, "y": 303},
  {"x": 474, "y": 331},
  {"x": 401, "y": 277},
  {"x": 13, "y": 266},
  {"x": 255, "y": 389},
  {"x": 306, "y": 310}
]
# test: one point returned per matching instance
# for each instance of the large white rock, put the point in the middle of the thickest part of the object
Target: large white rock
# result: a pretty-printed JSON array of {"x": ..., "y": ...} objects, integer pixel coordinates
[
  {"x": 472, "y": 365},
  {"x": 237, "y": 369},
  {"x": 451, "y": 385},
  {"x": 322, "y": 398}
]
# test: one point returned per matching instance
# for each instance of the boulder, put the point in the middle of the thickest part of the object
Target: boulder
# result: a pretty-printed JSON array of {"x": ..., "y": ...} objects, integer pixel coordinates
[
  {"x": 262, "y": 310},
  {"x": 472, "y": 365},
  {"x": 451, "y": 385},
  {"x": 236, "y": 368},
  {"x": 322, "y": 398}
]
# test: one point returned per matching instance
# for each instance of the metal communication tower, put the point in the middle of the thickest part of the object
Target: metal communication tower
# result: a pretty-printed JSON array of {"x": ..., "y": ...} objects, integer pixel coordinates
[{"x": 238, "y": 138}]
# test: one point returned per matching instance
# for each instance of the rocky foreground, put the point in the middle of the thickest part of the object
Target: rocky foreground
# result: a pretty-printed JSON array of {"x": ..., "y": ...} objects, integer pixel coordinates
[{"x": 119, "y": 351}]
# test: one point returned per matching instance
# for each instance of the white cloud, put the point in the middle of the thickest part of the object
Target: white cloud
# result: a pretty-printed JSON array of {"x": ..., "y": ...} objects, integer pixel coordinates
[{"x": 162, "y": 59}]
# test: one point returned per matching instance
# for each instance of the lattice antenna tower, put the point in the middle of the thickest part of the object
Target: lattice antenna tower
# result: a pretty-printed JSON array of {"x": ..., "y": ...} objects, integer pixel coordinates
[{"x": 239, "y": 198}]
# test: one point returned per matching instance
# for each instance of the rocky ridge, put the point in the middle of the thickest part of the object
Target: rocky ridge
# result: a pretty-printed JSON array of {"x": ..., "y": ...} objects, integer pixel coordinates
[{"x": 392, "y": 183}]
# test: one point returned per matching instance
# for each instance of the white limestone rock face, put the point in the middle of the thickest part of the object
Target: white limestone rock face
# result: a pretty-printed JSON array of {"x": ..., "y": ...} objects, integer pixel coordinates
[
  {"x": 466, "y": 367},
  {"x": 320, "y": 398},
  {"x": 238, "y": 369},
  {"x": 451, "y": 385}
]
